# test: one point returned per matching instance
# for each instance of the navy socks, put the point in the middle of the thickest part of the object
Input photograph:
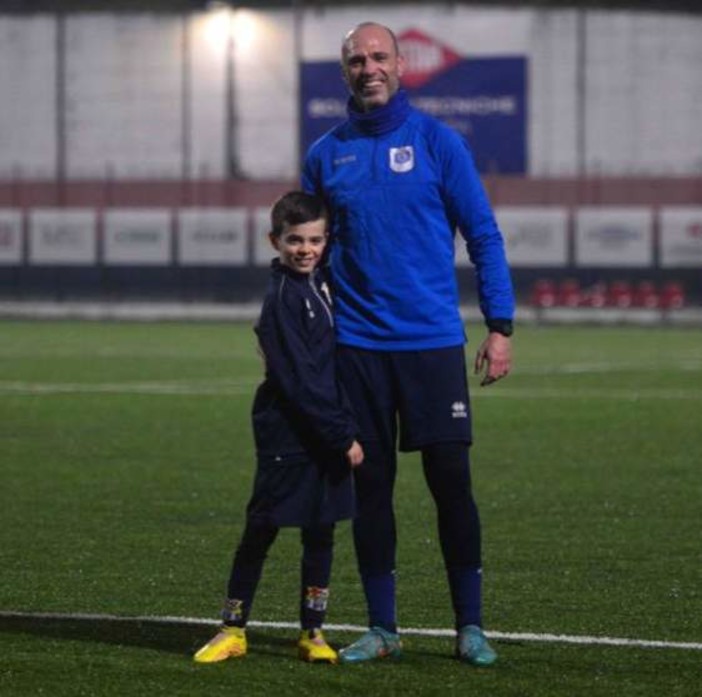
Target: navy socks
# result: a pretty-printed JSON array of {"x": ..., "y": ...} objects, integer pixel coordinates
[
  {"x": 247, "y": 567},
  {"x": 466, "y": 595},
  {"x": 380, "y": 597}
]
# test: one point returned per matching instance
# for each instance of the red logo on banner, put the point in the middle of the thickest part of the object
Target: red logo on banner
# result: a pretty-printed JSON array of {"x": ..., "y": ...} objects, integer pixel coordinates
[{"x": 424, "y": 57}]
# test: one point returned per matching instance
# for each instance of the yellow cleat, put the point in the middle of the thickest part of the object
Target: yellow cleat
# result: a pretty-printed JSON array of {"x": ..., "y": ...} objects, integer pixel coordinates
[
  {"x": 313, "y": 648},
  {"x": 229, "y": 642}
]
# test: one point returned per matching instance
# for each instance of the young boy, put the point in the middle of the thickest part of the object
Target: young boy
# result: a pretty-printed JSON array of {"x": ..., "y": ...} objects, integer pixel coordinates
[{"x": 304, "y": 431}]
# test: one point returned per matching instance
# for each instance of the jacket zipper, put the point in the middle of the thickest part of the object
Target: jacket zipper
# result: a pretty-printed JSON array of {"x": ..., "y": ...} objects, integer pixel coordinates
[{"x": 319, "y": 297}]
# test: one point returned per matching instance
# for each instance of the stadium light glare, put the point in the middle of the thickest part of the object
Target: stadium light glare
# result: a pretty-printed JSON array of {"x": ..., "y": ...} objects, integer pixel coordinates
[
  {"x": 248, "y": 28},
  {"x": 226, "y": 23},
  {"x": 218, "y": 27}
]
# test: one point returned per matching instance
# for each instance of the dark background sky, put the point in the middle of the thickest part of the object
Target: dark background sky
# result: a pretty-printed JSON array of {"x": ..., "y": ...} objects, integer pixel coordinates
[{"x": 22, "y": 6}]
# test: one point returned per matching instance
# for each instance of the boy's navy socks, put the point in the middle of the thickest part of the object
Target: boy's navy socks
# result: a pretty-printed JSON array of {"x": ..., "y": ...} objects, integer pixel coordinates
[
  {"x": 380, "y": 597},
  {"x": 466, "y": 595},
  {"x": 240, "y": 594},
  {"x": 245, "y": 574}
]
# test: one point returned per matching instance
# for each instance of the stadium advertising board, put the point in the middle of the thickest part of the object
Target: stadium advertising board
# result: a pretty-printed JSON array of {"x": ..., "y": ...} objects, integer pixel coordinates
[
  {"x": 483, "y": 98},
  {"x": 212, "y": 237},
  {"x": 614, "y": 237},
  {"x": 262, "y": 250},
  {"x": 681, "y": 237},
  {"x": 62, "y": 237},
  {"x": 534, "y": 236},
  {"x": 10, "y": 237},
  {"x": 137, "y": 237}
]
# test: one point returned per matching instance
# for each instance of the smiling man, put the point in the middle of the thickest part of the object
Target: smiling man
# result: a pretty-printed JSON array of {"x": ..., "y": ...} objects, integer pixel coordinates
[
  {"x": 372, "y": 65},
  {"x": 397, "y": 184}
]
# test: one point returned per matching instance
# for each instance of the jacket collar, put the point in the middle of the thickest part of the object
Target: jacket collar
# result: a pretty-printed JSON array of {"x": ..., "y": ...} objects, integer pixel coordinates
[{"x": 383, "y": 119}]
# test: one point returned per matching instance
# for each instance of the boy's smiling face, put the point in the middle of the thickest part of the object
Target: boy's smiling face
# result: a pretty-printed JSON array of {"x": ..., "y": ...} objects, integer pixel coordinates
[{"x": 300, "y": 247}]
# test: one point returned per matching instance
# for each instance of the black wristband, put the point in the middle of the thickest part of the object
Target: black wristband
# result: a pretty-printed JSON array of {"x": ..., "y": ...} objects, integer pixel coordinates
[{"x": 501, "y": 326}]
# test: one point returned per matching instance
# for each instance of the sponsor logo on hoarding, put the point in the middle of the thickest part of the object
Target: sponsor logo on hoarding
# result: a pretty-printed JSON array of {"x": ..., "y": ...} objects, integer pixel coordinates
[
  {"x": 613, "y": 237},
  {"x": 215, "y": 236},
  {"x": 61, "y": 236},
  {"x": 138, "y": 236},
  {"x": 7, "y": 234},
  {"x": 504, "y": 105},
  {"x": 532, "y": 236},
  {"x": 328, "y": 108},
  {"x": 425, "y": 57},
  {"x": 484, "y": 98}
]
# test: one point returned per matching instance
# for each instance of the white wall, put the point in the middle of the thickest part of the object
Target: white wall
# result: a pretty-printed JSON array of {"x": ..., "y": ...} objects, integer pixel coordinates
[
  {"x": 207, "y": 71},
  {"x": 553, "y": 98},
  {"x": 27, "y": 97},
  {"x": 123, "y": 92},
  {"x": 266, "y": 93},
  {"x": 128, "y": 78},
  {"x": 644, "y": 93}
]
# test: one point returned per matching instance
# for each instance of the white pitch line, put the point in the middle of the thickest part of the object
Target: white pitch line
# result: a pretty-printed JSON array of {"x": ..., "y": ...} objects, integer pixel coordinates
[
  {"x": 145, "y": 388},
  {"x": 225, "y": 388},
  {"x": 682, "y": 364},
  {"x": 634, "y": 395},
  {"x": 415, "y": 631}
]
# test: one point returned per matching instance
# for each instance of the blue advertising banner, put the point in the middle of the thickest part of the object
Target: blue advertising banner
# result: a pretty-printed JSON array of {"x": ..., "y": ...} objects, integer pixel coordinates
[{"x": 483, "y": 98}]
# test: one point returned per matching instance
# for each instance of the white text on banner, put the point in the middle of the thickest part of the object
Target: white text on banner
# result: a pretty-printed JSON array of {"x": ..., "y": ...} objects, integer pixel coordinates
[
  {"x": 681, "y": 237},
  {"x": 614, "y": 236},
  {"x": 62, "y": 237},
  {"x": 137, "y": 237},
  {"x": 213, "y": 237},
  {"x": 534, "y": 236},
  {"x": 10, "y": 237},
  {"x": 262, "y": 250}
]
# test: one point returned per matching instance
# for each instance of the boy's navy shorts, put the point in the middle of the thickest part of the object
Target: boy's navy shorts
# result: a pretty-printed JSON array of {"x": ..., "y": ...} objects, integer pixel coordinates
[{"x": 425, "y": 391}]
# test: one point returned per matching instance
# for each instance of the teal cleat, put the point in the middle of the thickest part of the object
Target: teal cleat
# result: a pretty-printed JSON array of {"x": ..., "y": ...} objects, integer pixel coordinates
[
  {"x": 375, "y": 643},
  {"x": 472, "y": 646}
]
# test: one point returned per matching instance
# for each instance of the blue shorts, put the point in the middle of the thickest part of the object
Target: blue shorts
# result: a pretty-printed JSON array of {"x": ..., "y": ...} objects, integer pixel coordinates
[{"x": 426, "y": 392}]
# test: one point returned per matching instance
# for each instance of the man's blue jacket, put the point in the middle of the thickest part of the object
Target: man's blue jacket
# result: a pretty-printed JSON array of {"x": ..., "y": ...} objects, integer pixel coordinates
[{"x": 398, "y": 184}]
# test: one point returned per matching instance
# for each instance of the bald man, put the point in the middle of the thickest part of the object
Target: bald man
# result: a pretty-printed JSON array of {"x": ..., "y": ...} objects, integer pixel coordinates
[{"x": 398, "y": 184}]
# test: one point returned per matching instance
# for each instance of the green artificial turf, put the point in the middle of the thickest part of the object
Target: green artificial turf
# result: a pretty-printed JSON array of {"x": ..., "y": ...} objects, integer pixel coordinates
[{"x": 127, "y": 461}]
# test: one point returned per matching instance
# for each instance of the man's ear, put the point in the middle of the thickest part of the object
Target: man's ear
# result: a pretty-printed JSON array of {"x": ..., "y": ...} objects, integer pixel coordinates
[
  {"x": 345, "y": 76},
  {"x": 273, "y": 240},
  {"x": 401, "y": 65}
]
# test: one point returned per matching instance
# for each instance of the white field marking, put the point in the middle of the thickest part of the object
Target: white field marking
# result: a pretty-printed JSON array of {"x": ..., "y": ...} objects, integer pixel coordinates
[
  {"x": 684, "y": 362},
  {"x": 157, "y": 388},
  {"x": 114, "y": 352},
  {"x": 687, "y": 364},
  {"x": 416, "y": 631},
  {"x": 224, "y": 387},
  {"x": 632, "y": 395}
]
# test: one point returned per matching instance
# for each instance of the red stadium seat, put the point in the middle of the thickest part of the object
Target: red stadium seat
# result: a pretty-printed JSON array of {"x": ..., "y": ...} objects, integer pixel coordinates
[
  {"x": 595, "y": 295},
  {"x": 672, "y": 296},
  {"x": 543, "y": 293},
  {"x": 569, "y": 293},
  {"x": 646, "y": 295},
  {"x": 620, "y": 294}
]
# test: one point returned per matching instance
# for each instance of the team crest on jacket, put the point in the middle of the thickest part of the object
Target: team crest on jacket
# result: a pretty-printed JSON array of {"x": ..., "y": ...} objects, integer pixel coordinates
[{"x": 402, "y": 159}]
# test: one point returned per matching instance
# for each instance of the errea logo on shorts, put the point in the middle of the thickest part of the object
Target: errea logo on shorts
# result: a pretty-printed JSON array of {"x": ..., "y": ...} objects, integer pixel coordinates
[
  {"x": 459, "y": 411},
  {"x": 402, "y": 159}
]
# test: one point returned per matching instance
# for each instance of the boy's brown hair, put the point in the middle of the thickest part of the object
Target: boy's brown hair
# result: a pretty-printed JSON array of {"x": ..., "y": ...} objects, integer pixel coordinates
[{"x": 295, "y": 208}]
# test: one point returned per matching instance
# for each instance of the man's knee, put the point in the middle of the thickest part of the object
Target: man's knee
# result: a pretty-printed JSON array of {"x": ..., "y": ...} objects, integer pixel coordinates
[
  {"x": 375, "y": 478},
  {"x": 447, "y": 466}
]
